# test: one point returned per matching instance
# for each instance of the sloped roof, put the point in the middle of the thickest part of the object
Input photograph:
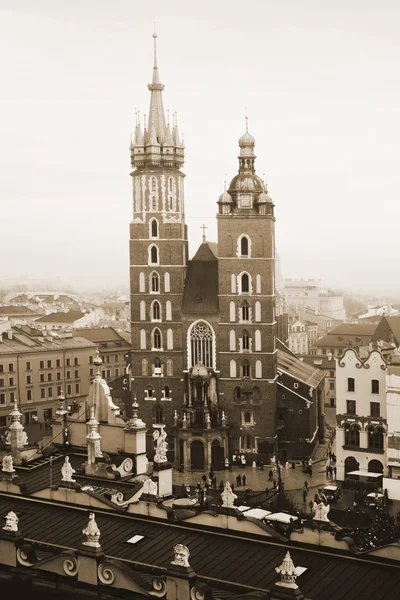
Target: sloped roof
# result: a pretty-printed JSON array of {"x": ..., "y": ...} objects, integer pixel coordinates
[
  {"x": 367, "y": 329},
  {"x": 17, "y": 310},
  {"x": 100, "y": 334},
  {"x": 394, "y": 324},
  {"x": 201, "y": 287},
  {"x": 291, "y": 364},
  {"x": 62, "y": 317}
]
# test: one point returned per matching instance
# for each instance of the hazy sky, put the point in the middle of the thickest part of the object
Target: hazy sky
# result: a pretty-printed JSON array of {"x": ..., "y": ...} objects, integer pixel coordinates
[{"x": 321, "y": 83}]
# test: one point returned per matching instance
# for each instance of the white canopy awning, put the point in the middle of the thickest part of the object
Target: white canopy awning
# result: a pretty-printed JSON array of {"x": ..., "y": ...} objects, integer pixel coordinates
[{"x": 365, "y": 474}]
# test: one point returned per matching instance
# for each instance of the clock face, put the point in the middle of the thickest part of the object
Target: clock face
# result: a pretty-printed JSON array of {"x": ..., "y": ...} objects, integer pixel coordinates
[{"x": 245, "y": 201}]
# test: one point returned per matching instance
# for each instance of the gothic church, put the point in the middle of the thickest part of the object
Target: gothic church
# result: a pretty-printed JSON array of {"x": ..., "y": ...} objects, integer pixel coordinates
[{"x": 204, "y": 356}]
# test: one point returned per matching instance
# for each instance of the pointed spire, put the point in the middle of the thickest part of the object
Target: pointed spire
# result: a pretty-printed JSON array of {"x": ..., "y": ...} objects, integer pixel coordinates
[{"x": 156, "y": 123}]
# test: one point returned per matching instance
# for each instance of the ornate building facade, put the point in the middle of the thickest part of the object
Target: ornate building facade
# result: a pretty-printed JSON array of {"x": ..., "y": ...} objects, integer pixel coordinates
[{"x": 203, "y": 330}]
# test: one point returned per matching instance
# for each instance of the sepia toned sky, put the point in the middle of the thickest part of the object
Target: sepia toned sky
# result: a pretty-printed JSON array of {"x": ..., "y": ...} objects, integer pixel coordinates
[{"x": 320, "y": 81}]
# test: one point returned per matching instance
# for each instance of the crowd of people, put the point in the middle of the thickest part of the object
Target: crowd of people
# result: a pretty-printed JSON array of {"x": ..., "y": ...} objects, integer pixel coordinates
[{"x": 384, "y": 530}]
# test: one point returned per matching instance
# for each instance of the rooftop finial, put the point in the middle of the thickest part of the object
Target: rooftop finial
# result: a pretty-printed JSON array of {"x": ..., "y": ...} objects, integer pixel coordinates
[
  {"x": 204, "y": 227},
  {"x": 155, "y": 46},
  {"x": 225, "y": 185},
  {"x": 247, "y": 121}
]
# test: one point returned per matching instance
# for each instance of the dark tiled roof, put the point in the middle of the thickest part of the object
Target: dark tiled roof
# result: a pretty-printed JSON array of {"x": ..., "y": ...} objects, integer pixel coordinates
[
  {"x": 356, "y": 329},
  {"x": 100, "y": 334},
  {"x": 394, "y": 324},
  {"x": 220, "y": 556},
  {"x": 17, "y": 310},
  {"x": 61, "y": 317},
  {"x": 201, "y": 286}
]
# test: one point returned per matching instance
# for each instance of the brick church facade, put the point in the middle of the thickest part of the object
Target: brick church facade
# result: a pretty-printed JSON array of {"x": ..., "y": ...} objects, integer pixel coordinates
[{"x": 204, "y": 356}]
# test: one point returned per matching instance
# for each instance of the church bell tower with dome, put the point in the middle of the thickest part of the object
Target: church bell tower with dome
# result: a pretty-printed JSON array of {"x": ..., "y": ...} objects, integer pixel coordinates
[{"x": 246, "y": 294}]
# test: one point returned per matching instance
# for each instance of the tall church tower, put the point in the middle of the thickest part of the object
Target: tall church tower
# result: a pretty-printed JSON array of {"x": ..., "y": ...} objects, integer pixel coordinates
[
  {"x": 158, "y": 260},
  {"x": 247, "y": 330}
]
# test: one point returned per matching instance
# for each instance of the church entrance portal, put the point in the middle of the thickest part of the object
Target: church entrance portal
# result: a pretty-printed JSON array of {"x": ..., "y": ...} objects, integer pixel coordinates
[
  {"x": 197, "y": 455},
  {"x": 217, "y": 456}
]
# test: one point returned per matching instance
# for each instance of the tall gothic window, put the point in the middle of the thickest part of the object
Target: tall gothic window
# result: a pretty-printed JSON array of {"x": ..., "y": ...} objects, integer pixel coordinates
[
  {"x": 246, "y": 369},
  {"x": 201, "y": 344},
  {"x": 154, "y": 255},
  {"x": 155, "y": 282},
  {"x": 154, "y": 228},
  {"x": 245, "y": 341},
  {"x": 157, "y": 338},
  {"x": 244, "y": 246},
  {"x": 156, "y": 311},
  {"x": 245, "y": 309},
  {"x": 245, "y": 283}
]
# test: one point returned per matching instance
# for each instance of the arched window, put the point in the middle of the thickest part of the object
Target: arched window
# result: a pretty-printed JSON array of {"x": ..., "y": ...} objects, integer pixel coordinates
[
  {"x": 157, "y": 339},
  {"x": 166, "y": 392},
  {"x": 244, "y": 246},
  {"x": 247, "y": 417},
  {"x": 257, "y": 340},
  {"x": 376, "y": 437},
  {"x": 168, "y": 311},
  {"x": 170, "y": 367},
  {"x": 233, "y": 284},
  {"x": 167, "y": 282},
  {"x": 256, "y": 394},
  {"x": 142, "y": 310},
  {"x": 153, "y": 255},
  {"x": 245, "y": 311},
  {"x": 232, "y": 341},
  {"x": 156, "y": 311},
  {"x": 232, "y": 368},
  {"x": 258, "y": 284},
  {"x": 232, "y": 312},
  {"x": 170, "y": 339},
  {"x": 352, "y": 435},
  {"x": 142, "y": 285},
  {"x": 145, "y": 365},
  {"x": 154, "y": 282},
  {"x": 258, "y": 369},
  {"x": 154, "y": 228},
  {"x": 149, "y": 393},
  {"x": 158, "y": 415},
  {"x": 157, "y": 367},
  {"x": 375, "y": 386},
  {"x": 201, "y": 344},
  {"x": 153, "y": 184},
  {"x": 245, "y": 369},
  {"x": 237, "y": 393},
  {"x": 143, "y": 339},
  {"x": 247, "y": 443},
  {"x": 245, "y": 340},
  {"x": 245, "y": 283},
  {"x": 351, "y": 384},
  {"x": 258, "y": 311},
  {"x": 153, "y": 203}
]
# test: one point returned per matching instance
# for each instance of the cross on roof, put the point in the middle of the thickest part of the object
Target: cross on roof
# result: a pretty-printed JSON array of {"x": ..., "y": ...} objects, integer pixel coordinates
[{"x": 204, "y": 227}]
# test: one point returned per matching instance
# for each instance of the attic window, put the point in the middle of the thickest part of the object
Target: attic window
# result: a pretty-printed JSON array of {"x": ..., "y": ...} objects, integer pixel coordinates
[
  {"x": 199, "y": 299},
  {"x": 295, "y": 385},
  {"x": 135, "y": 539}
]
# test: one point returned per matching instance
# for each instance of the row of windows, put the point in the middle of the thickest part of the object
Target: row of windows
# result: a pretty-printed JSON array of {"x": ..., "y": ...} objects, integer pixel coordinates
[
  {"x": 245, "y": 369},
  {"x": 157, "y": 368},
  {"x": 243, "y": 284},
  {"x": 375, "y": 436},
  {"x": 52, "y": 392},
  {"x": 50, "y": 364},
  {"x": 154, "y": 282},
  {"x": 171, "y": 194},
  {"x": 374, "y": 408},
  {"x": 156, "y": 311},
  {"x": 150, "y": 394},
  {"x": 245, "y": 312},
  {"x": 3, "y": 398},
  {"x": 351, "y": 385},
  {"x": 245, "y": 341},
  {"x": 156, "y": 339}
]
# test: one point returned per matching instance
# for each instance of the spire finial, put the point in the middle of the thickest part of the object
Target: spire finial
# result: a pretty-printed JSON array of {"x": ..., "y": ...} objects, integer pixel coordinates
[
  {"x": 247, "y": 120},
  {"x": 155, "y": 46},
  {"x": 204, "y": 227},
  {"x": 225, "y": 185}
]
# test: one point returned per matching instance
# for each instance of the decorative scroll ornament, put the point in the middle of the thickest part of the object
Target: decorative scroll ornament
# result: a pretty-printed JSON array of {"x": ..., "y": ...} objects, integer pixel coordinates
[
  {"x": 106, "y": 575},
  {"x": 11, "y": 522},
  {"x": 22, "y": 558},
  {"x": 161, "y": 445},
  {"x": 196, "y": 594},
  {"x": 159, "y": 588},
  {"x": 181, "y": 556},
  {"x": 92, "y": 533},
  {"x": 70, "y": 566}
]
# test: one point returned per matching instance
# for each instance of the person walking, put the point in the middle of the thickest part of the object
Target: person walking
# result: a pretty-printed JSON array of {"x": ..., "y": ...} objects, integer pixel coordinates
[
  {"x": 243, "y": 479},
  {"x": 274, "y": 483},
  {"x": 310, "y": 470},
  {"x": 306, "y": 486},
  {"x": 230, "y": 466},
  {"x": 232, "y": 487},
  {"x": 221, "y": 486},
  {"x": 270, "y": 475},
  {"x": 305, "y": 491}
]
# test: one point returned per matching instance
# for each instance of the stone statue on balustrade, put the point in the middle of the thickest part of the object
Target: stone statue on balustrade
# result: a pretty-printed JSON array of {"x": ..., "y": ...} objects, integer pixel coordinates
[
  {"x": 7, "y": 464},
  {"x": 161, "y": 445},
  {"x": 150, "y": 487},
  {"x": 228, "y": 497},
  {"x": 11, "y": 522},
  {"x": 321, "y": 512},
  {"x": 67, "y": 471}
]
